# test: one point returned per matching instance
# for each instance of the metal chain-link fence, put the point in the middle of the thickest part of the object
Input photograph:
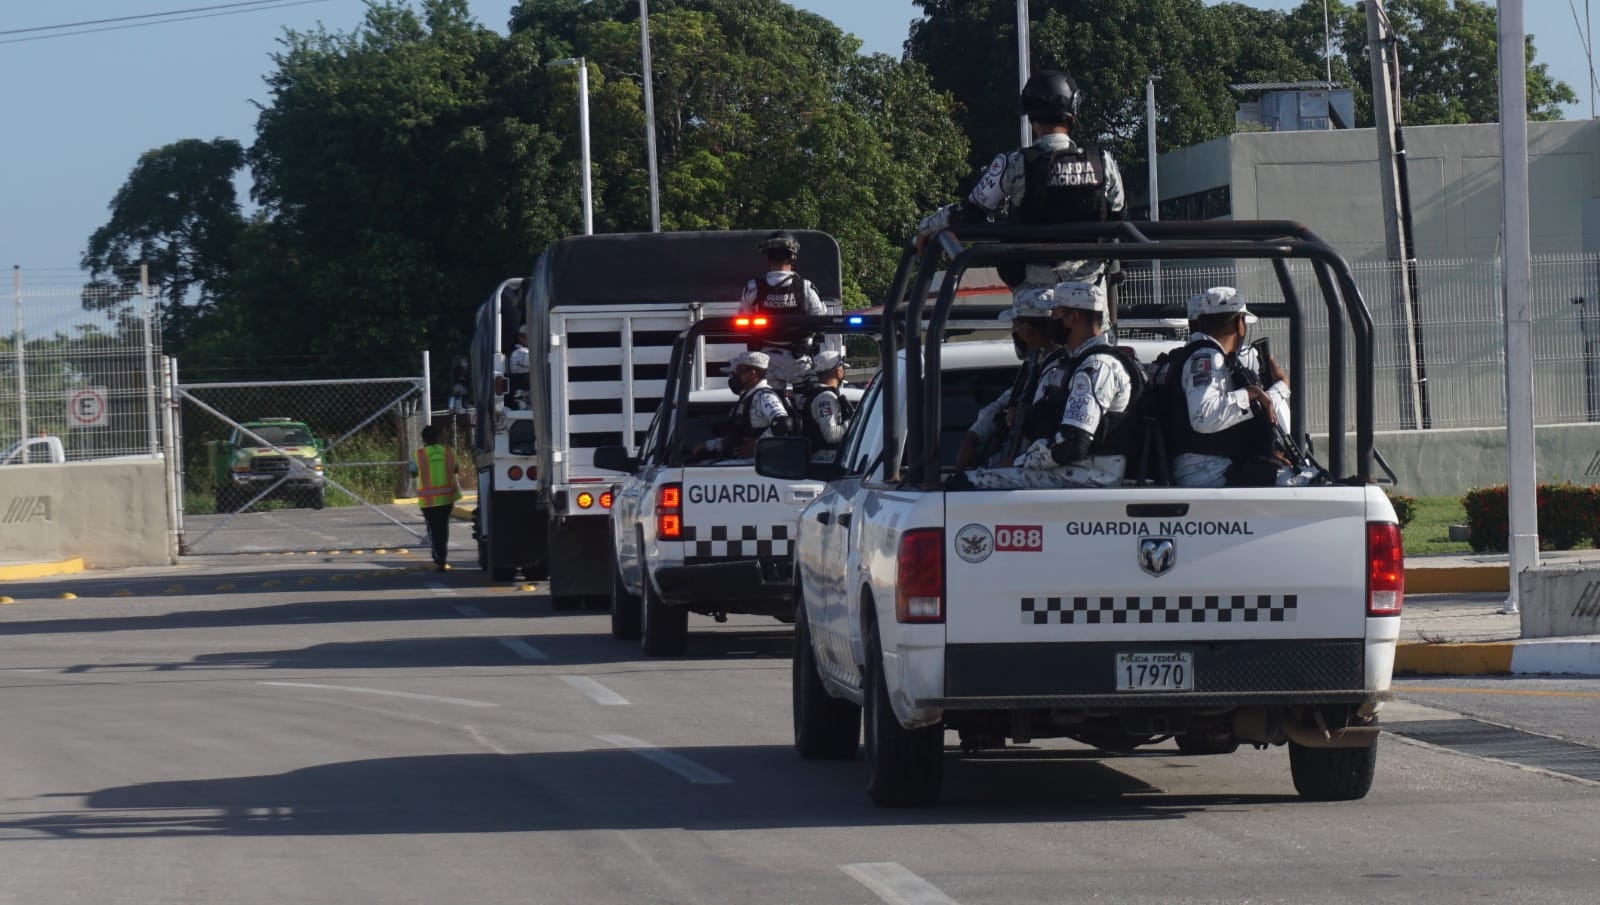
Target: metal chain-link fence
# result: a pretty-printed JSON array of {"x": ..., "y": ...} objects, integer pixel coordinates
[
  {"x": 299, "y": 465},
  {"x": 1455, "y": 342},
  {"x": 79, "y": 365}
]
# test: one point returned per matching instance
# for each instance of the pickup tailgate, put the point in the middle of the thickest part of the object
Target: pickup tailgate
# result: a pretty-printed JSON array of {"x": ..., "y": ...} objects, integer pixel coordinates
[
  {"x": 731, "y": 513},
  {"x": 1185, "y": 565}
]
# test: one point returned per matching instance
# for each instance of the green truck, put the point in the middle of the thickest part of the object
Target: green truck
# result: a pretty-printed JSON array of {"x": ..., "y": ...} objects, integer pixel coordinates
[{"x": 276, "y": 457}]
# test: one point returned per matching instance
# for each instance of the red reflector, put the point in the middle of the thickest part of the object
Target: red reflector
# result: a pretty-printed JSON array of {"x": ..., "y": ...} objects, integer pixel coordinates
[
  {"x": 1386, "y": 569},
  {"x": 514, "y": 472},
  {"x": 919, "y": 576},
  {"x": 605, "y": 500}
]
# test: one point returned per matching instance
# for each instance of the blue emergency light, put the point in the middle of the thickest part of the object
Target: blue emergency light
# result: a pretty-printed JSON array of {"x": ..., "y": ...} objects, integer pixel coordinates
[{"x": 855, "y": 320}]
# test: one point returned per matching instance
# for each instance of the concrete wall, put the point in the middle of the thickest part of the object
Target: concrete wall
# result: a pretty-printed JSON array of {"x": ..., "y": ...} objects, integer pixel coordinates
[
  {"x": 1451, "y": 462},
  {"x": 111, "y": 513},
  {"x": 1559, "y": 600}
]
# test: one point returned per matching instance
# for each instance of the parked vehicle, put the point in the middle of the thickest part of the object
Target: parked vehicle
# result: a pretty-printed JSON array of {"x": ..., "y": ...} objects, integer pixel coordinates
[
  {"x": 269, "y": 458},
  {"x": 34, "y": 451}
]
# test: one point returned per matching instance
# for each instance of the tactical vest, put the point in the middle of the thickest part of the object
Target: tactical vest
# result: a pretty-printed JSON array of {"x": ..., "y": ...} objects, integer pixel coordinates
[
  {"x": 1037, "y": 417},
  {"x": 809, "y": 426},
  {"x": 1119, "y": 432},
  {"x": 1244, "y": 440},
  {"x": 738, "y": 428},
  {"x": 1062, "y": 186},
  {"x": 786, "y": 298}
]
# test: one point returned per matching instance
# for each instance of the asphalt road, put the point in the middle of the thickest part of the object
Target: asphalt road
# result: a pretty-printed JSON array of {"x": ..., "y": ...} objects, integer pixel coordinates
[{"x": 348, "y": 730}]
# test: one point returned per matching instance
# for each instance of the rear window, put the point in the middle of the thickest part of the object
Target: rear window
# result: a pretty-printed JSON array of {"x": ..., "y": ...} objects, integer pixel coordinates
[
  {"x": 519, "y": 438},
  {"x": 964, "y": 394}
]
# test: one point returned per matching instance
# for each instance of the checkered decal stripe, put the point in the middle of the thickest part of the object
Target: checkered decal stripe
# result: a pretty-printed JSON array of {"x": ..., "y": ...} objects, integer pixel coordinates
[
  {"x": 1163, "y": 609},
  {"x": 711, "y": 543}
]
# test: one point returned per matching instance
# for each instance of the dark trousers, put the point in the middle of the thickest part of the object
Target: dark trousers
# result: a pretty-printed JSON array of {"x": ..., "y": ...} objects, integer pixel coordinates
[{"x": 438, "y": 521}]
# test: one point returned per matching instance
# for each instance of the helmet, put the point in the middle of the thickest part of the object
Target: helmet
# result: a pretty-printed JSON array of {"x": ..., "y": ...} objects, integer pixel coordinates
[
  {"x": 1051, "y": 95},
  {"x": 780, "y": 242}
]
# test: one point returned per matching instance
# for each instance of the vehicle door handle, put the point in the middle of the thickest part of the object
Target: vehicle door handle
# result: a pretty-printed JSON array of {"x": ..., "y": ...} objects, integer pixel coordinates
[
  {"x": 844, "y": 520},
  {"x": 824, "y": 517}
]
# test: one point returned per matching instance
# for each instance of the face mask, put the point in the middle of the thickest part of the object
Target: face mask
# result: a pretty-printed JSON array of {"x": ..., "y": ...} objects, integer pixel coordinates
[{"x": 735, "y": 384}]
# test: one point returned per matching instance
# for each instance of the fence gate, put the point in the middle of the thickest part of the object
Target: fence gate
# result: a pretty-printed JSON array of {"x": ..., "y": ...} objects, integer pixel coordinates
[{"x": 299, "y": 466}]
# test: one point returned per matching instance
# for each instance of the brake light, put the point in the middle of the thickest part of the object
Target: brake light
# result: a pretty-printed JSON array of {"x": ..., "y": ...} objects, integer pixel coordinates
[
  {"x": 745, "y": 323},
  {"x": 1386, "y": 569},
  {"x": 919, "y": 576},
  {"x": 605, "y": 500},
  {"x": 514, "y": 472},
  {"x": 585, "y": 500},
  {"x": 669, "y": 512}
]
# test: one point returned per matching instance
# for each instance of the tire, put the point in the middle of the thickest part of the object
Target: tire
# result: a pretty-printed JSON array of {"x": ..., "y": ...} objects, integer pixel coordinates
[
  {"x": 905, "y": 767},
  {"x": 825, "y": 727},
  {"x": 1332, "y": 774},
  {"x": 1197, "y": 744},
  {"x": 626, "y": 618},
  {"x": 318, "y": 498},
  {"x": 664, "y": 631},
  {"x": 483, "y": 556},
  {"x": 502, "y": 573}
]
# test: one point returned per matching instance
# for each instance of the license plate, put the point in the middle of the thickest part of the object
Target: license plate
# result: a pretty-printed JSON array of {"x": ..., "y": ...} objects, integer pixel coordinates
[{"x": 1155, "y": 671}]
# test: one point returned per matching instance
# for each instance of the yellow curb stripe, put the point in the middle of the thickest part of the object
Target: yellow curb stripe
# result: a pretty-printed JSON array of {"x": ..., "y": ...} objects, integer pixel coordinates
[
  {"x": 1468, "y": 659},
  {"x": 1505, "y": 692},
  {"x": 24, "y": 571},
  {"x": 1459, "y": 580}
]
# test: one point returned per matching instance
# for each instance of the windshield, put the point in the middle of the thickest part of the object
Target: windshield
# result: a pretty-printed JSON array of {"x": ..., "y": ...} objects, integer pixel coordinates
[{"x": 283, "y": 434}]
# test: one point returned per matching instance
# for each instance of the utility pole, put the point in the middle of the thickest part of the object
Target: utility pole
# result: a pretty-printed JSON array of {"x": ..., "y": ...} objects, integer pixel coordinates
[
  {"x": 650, "y": 117},
  {"x": 1155, "y": 180},
  {"x": 1024, "y": 68},
  {"x": 1380, "y": 48}
]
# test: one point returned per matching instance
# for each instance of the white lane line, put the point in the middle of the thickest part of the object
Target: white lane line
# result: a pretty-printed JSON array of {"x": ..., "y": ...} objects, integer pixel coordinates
[
  {"x": 677, "y": 763},
  {"x": 596, "y": 692},
  {"x": 441, "y": 590},
  {"x": 466, "y": 610},
  {"x": 523, "y": 649},
  {"x": 382, "y": 691},
  {"x": 892, "y": 883}
]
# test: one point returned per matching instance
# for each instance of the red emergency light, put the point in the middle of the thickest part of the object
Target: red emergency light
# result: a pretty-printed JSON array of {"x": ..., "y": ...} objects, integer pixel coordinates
[{"x": 746, "y": 323}]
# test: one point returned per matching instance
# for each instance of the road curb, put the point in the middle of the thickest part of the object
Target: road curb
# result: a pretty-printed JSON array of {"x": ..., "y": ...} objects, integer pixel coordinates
[
  {"x": 1457, "y": 579},
  {"x": 24, "y": 571},
  {"x": 1576, "y": 656}
]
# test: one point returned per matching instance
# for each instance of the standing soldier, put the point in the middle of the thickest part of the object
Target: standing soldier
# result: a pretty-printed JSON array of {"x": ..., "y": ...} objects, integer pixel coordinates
[
  {"x": 435, "y": 468},
  {"x": 824, "y": 412},
  {"x": 782, "y": 292},
  {"x": 1053, "y": 180}
]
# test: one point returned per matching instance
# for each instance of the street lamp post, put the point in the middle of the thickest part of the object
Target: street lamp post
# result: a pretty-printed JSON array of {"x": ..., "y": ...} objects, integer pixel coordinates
[
  {"x": 650, "y": 117},
  {"x": 583, "y": 136},
  {"x": 1023, "y": 67}
]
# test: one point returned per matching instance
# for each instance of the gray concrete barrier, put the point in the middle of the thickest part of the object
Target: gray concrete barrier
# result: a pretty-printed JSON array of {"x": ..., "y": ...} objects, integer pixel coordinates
[
  {"x": 110, "y": 513},
  {"x": 1451, "y": 462},
  {"x": 1559, "y": 601}
]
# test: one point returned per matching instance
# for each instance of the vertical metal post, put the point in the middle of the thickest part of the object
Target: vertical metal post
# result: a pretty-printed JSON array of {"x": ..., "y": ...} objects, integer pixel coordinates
[
  {"x": 1522, "y": 479},
  {"x": 649, "y": 117},
  {"x": 583, "y": 145},
  {"x": 153, "y": 421},
  {"x": 22, "y": 364},
  {"x": 173, "y": 457},
  {"x": 1155, "y": 179},
  {"x": 427, "y": 389},
  {"x": 1023, "y": 65}
]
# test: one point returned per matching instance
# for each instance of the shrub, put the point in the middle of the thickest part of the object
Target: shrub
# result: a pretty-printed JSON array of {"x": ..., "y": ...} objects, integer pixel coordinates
[
  {"x": 1404, "y": 507},
  {"x": 1568, "y": 513}
]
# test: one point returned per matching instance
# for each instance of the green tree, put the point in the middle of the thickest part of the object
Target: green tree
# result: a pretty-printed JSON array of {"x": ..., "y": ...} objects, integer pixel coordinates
[{"x": 179, "y": 214}]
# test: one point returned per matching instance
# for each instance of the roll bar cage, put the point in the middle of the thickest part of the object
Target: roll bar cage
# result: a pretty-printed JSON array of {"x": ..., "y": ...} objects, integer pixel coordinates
[
  {"x": 987, "y": 244},
  {"x": 738, "y": 327}
]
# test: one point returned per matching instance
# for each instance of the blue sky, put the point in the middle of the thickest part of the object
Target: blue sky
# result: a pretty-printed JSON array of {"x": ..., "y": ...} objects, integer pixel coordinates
[{"x": 78, "y": 111}]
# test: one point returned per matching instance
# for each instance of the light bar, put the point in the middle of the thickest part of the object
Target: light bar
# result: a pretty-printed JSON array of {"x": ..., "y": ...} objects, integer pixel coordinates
[{"x": 855, "y": 320}]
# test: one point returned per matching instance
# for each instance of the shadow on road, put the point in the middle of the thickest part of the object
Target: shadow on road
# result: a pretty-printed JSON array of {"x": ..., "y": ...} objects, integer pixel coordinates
[{"x": 610, "y": 788}]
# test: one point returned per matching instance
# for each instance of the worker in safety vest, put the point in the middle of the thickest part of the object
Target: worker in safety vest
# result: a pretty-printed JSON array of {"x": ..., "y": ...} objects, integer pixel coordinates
[{"x": 435, "y": 468}]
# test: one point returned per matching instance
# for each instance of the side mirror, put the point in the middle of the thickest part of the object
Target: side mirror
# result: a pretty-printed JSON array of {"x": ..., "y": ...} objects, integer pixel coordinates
[
  {"x": 785, "y": 458},
  {"x": 615, "y": 458}
]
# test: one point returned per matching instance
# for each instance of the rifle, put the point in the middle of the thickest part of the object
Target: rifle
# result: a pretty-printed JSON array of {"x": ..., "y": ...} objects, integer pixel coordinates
[{"x": 1019, "y": 386}]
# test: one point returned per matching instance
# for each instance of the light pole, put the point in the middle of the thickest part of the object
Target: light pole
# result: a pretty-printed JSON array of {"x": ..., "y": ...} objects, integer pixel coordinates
[
  {"x": 1155, "y": 181},
  {"x": 1023, "y": 67},
  {"x": 583, "y": 136},
  {"x": 649, "y": 117}
]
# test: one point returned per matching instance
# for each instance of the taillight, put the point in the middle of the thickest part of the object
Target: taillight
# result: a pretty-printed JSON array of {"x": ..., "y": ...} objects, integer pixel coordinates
[
  {"x": 669, "y": 512},
  {"x": 1386, "y": 569},
  {"x": 514, "y": 472},
  {"x": 605, "y": 500},
  {"x": 585, "y": 500},
  {"x": 919, "y": 577}
]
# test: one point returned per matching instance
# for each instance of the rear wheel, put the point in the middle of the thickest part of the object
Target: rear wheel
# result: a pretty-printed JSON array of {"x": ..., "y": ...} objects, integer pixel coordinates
[
  {"x": 1332, "y": 774},
  {"x": 625, "y": 616},
  {"x": 905, "y": 767},
  {"x": 665, "y": 629},
  {"x": 824, "y": 726}
]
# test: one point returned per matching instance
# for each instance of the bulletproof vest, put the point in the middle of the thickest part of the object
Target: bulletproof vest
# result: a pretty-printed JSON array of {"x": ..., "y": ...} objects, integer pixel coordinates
[
  {"x": 786, "y": 298},
  {"x": 1064, "y": 186},
  {"x": 809, "y": 427},
  {"x": 1037, "y": 417},
  {"x": 1119, "y": 432},
  {"x": 738, "y": 428},
  {"x": 1249, "y": 438}
]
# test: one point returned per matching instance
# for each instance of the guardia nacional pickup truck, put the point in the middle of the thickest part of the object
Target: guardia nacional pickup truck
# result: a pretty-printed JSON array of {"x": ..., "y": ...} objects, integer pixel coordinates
[{"x": 1118, "y": 617}]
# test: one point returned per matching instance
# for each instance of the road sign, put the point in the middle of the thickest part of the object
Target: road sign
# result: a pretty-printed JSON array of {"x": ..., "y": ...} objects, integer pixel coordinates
[{"x": 87, "y": 407}]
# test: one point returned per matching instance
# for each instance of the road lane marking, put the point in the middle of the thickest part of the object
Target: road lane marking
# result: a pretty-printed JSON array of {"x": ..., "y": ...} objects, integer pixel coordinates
[
  {"x": 383, "y": 691},
  {"x": 467, "y": 610},
  {"x": 677, "y": 763},
  {"x": 441, "y": 590},
  {"x": 595, "y": 691},
  {"x": 523, "y": 649},
  {"x": 892, "y": 883}
]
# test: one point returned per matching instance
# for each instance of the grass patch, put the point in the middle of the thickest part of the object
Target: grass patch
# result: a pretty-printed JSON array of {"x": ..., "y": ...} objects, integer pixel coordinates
[{"x": 1429, "y": 531}]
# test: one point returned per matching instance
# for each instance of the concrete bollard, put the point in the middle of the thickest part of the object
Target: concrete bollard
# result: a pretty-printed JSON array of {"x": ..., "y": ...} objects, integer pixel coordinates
[{"x": 1560, "y": 601}]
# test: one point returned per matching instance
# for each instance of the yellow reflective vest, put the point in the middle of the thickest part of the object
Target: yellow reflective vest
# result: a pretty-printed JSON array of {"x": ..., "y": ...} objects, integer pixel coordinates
[{"x": 436, "y": 476}]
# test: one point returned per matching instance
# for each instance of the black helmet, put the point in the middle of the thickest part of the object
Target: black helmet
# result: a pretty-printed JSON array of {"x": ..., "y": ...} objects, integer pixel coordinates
[
  {"x": 780, "y": 243},
  {"x": 1051, "y": 95}
]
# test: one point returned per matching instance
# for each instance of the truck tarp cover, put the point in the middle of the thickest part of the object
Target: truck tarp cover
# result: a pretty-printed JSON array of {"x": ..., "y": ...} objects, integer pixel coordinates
[{"x": 675, "y": 267}]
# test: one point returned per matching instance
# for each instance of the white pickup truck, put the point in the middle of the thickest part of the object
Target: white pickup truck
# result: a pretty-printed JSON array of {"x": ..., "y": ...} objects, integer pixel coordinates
[
  {"x": 710, "y": 537},
  {"x": 1117, "y": 617}
]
